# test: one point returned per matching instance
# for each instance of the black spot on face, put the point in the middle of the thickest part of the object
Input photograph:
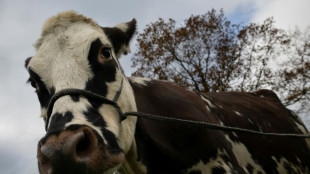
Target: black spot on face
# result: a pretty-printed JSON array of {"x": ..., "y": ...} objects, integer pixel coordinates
[
  {"x": 44, "y": 95},
  {"x": 103, "y": 72},
  {"x": 117, "y": 37},
  {"x": 58, "y": 122},
  {"x": 75, "y": 98},
  {"x": 96, "y": 119}
]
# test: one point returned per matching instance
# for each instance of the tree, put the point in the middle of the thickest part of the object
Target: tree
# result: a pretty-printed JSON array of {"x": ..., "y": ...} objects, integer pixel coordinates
[
  {"x": 260, "y": 46},
  {"x": 202, "y": 54},
  {"x": 294, "y": 76},
  {"x": 209, "y": 53}
]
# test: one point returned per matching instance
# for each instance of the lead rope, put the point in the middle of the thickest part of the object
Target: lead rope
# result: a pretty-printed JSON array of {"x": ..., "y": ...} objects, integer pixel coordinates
[
  {"x": 123, "y": 116},
  {"x": 199, "y": 124}
]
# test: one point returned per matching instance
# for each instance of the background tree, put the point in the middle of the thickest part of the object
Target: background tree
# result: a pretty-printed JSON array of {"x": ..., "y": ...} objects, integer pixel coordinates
[
  {"x": 201, "y": 54},
  {"x": 260, "y": 46},
  {"x": 209, "y": 53},
  {"x": 294, "y": 74}
]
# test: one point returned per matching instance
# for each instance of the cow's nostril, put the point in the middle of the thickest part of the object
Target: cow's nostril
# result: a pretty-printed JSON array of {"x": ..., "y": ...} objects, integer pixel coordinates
[
  {"x": 82, "y": 146},
  {"x": 85, "y": 146}
]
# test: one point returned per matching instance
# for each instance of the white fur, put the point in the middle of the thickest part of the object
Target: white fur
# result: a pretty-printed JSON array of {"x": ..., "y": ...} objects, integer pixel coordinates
[
  {"x": 207, "y": 101},
  {"x": 127, "y": 103},
  {"x": 243, "y": 156},
  {"x": 61, "y": 62},
  {"x": 122, "y": 26},
  {"x": 282, "y": 163},
  {"x": 209, "y": 110},
  {"x": 110, "y": 116},
  {"x": 58, "y": 61},
  {"x": 140, "y": 80},
  {"x": 240, "y": 152},
  {"x": 206, "y": 168},
  {"x": 190, "y": 89},
  {"x": 65, "y": 104},
  {"x": 43, "y": 113},
  {"x": 238, "y": 113}
]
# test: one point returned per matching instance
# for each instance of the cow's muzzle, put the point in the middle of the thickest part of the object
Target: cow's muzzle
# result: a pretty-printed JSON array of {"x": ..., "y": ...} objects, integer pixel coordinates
[{"x": 76, "y": 152}]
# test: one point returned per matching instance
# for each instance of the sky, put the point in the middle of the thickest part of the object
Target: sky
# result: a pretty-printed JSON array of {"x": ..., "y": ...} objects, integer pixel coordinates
[{"x": 20, "y": 26}]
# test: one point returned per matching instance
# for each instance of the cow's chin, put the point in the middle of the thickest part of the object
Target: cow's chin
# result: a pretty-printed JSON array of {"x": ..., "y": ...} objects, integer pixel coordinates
[{"x": 77, "y": 152}]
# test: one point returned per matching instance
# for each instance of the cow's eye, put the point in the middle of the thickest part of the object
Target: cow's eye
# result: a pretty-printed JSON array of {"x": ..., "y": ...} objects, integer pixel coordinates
[
  {"x": 33, "y": 83},
  {"x": 106, "y": 53}
]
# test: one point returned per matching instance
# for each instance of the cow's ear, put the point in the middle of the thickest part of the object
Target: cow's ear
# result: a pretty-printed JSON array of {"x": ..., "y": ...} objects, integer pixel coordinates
[
  {"x": 27, "y": 62},
  {"x": 120, "y": 36}
]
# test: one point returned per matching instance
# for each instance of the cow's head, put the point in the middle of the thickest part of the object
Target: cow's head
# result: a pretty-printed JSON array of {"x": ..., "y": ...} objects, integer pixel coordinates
[{"x": 83, "y": 135}]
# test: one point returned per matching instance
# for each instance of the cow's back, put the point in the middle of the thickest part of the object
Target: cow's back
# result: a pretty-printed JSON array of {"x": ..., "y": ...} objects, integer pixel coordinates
[{"x": 174, "y": 148}]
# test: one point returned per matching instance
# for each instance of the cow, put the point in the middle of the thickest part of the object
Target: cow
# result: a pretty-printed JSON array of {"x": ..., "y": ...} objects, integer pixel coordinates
[{"x": 85, "y": 135}]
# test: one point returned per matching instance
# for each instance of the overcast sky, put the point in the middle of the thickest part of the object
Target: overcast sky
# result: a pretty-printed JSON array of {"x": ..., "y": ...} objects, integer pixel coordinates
[{"x": 20, "y": 26}]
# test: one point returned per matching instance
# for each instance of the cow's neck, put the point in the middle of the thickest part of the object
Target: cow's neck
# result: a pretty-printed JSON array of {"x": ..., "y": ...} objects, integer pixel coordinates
[
  {"x": 170, "y": 100},
  {"x": 132, "y": 163}
]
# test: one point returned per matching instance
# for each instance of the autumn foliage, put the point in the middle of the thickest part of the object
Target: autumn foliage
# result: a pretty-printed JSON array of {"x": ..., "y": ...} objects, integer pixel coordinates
[{"x": 210, "y": 54}]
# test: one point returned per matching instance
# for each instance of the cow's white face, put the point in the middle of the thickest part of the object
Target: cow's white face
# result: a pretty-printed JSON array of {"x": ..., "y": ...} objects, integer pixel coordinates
[{"x": 84, "y": 135}]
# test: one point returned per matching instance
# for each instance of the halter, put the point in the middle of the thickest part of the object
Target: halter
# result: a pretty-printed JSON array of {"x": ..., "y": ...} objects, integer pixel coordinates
[
  {"x": 123, "y": 116},
  {"x": 88, "y": 95}
]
